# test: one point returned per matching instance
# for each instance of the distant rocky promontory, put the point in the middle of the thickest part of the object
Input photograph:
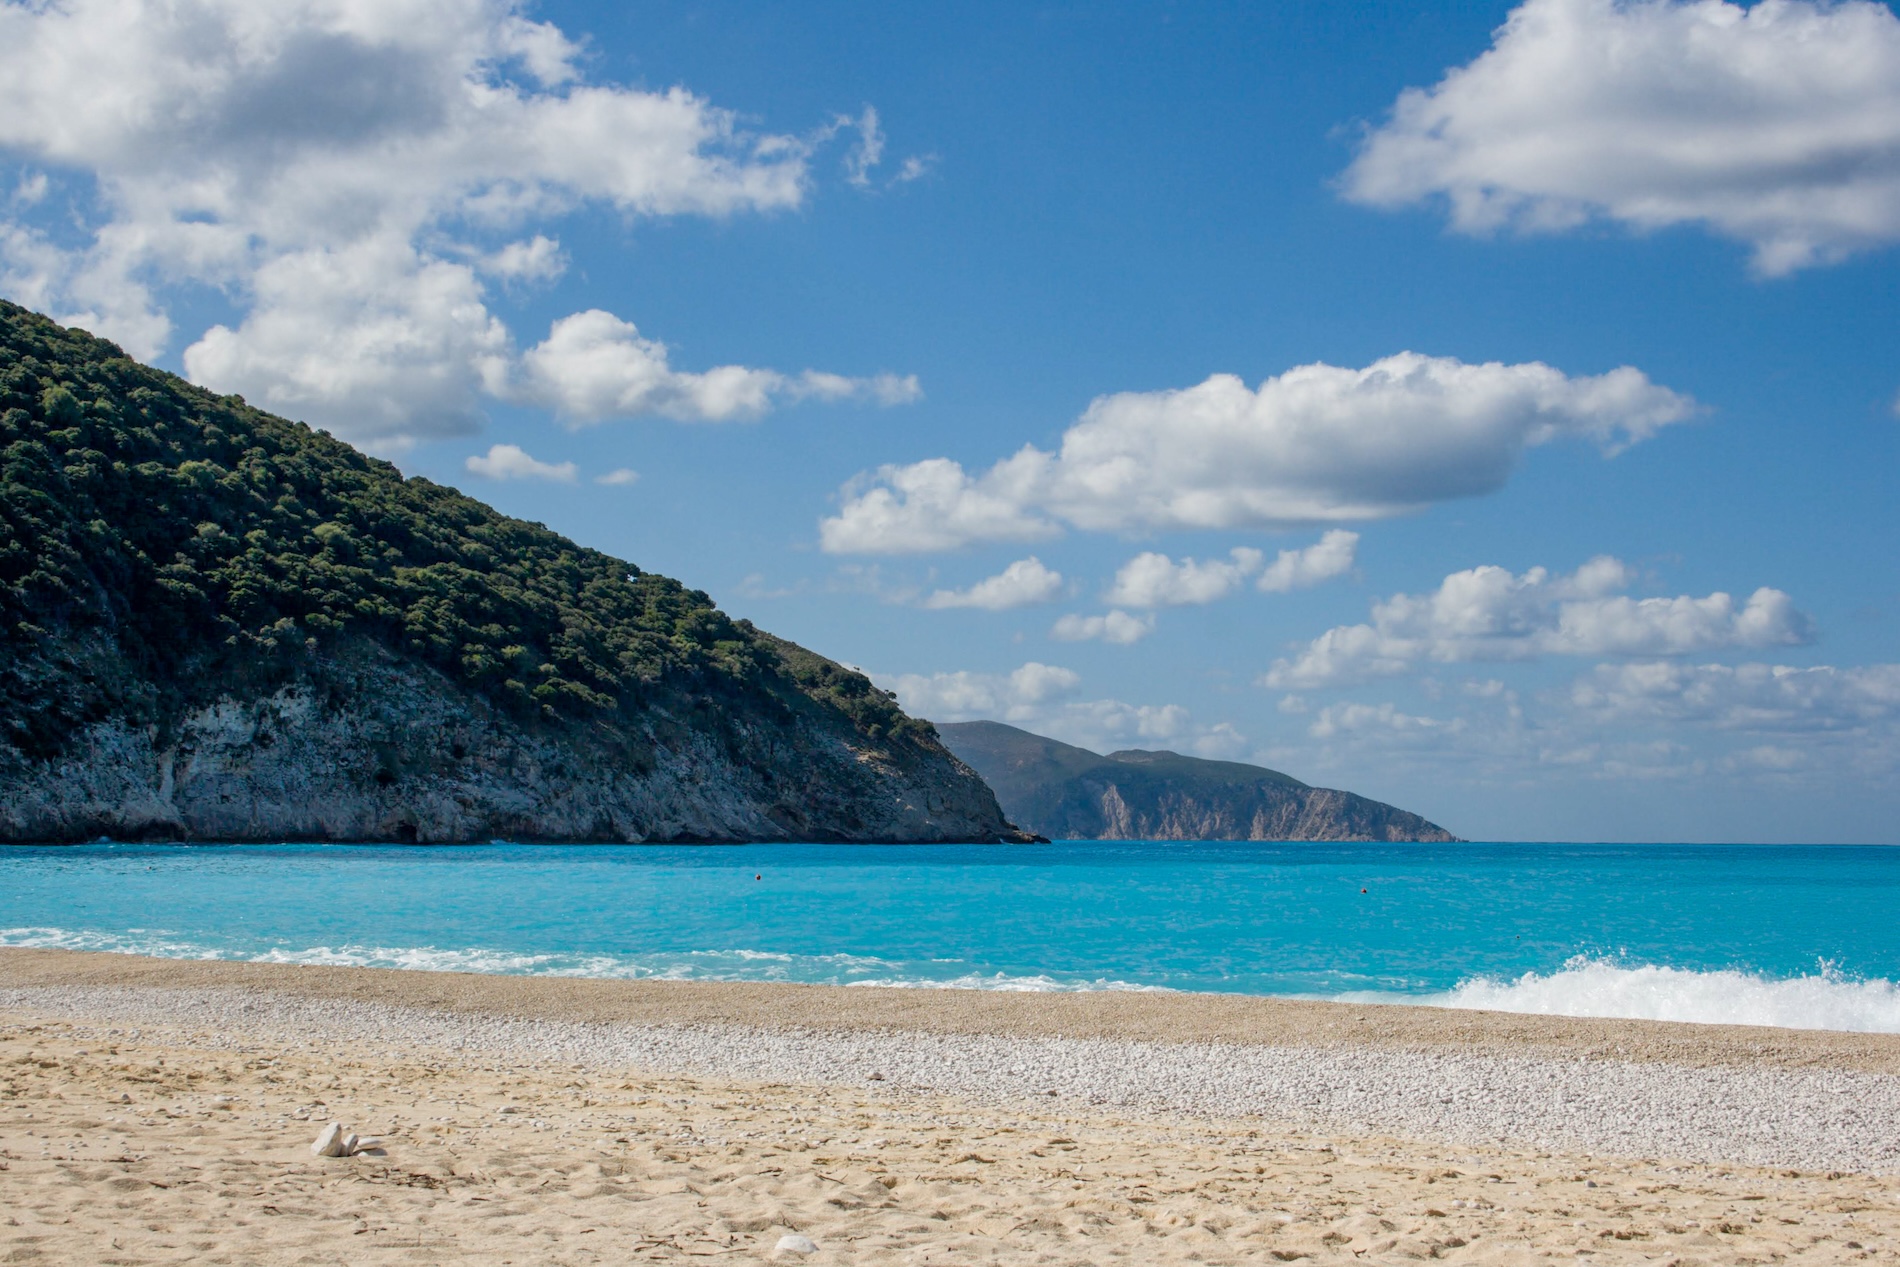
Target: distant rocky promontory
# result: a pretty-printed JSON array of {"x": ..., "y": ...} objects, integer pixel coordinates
[
  {"x": 219, "y": 625},
  {"x": 1069, "y": 793}
]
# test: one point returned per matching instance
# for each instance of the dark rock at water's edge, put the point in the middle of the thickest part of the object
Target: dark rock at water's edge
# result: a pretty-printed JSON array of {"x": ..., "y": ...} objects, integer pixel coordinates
[
  {"x": 1070, "y": 793},
  {"x": 219, "y": 625}
]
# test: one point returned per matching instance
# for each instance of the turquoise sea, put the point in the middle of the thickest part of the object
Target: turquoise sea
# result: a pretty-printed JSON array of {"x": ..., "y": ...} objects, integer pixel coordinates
[{"x": 1806, "y": 936}]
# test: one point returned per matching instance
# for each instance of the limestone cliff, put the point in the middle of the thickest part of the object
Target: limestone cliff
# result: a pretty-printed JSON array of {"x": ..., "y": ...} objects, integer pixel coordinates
[
  {"x": 219, "y": 625},
  {"x": 1069, "y": 793},
  {"x": 368, "y": 747}
]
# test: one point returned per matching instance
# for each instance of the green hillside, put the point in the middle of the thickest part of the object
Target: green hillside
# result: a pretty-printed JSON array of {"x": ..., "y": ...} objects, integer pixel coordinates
[{"x": 156, "y": 539}]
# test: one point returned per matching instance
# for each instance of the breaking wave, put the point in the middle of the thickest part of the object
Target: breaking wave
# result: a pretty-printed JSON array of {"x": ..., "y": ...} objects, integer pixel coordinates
[
  {"x": 1584, "y": 986},
  {"x": 694, "y": 965},
  {"x": 1587, "y": 986}
]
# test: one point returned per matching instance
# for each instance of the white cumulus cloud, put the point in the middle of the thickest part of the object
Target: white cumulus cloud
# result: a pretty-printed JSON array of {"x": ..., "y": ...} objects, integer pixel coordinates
[
  {"x": 862, "y": 159},
  {"x": 931, "y": 505},
  {"x": 1336, "y": 720},
  {"x": 1023, "y": 583},
  {"x": 594, "y": 366},
  {"x": 377, "y": 341},
  {"x": 1152, "y": 579},
  {"x": 1318, "y": 443},
  {"x": 964, "y": 695},
  {"x": 868, "y": 152},
  {"x": 535, "y": 259},
  {"x": 1332, "y": 555},
  {"x": 619, "y": 477},
  {"x": 350, "y": 174},
  {"x": 1489, "y": 613},
  {"x": 1043, "y": 698},
  {"x": 1117, "y": 626},
  {"x": 1777, "y": 125},
  {"x": 512, "y": 462},
  {"x": 1744, "y": 697}
]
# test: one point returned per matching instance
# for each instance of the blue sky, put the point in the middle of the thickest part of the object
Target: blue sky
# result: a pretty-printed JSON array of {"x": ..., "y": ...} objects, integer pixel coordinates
[{"x": 1608, "y": 556}]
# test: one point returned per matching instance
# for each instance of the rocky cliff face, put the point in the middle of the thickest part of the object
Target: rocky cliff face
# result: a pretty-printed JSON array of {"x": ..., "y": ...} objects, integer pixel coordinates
[
  {"x": 1100, "y": 809},
  {"x": 1069, "y": 793},
  {"x": 366, "y": 747},
  {"x": 219, "y": 625}
]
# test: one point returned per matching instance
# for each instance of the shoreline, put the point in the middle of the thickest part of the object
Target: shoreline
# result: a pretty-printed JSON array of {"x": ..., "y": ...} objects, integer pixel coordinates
[
  {"x": 1810, "y": 1099},
  {"x": 1142, "y": 1016},
  {"x": 161, "y": 1111}
]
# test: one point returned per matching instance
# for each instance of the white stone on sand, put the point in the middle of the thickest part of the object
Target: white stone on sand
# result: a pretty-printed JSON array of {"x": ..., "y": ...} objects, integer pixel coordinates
[{"x": 337, "y": 1142}]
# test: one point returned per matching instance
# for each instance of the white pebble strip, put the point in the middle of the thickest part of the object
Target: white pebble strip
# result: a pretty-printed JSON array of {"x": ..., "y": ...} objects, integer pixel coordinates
[{"x": 1818, "y": 1119}]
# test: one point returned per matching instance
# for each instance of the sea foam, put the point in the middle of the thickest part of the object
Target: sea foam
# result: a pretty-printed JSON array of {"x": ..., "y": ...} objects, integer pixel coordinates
[
  {"x": 691, "y": 965},
  {"x": 1584, "y": 986},
  {"x": 1587, "y": 986}
]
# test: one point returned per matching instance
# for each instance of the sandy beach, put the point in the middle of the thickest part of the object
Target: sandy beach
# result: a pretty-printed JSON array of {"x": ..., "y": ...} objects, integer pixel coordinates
[{"x": 156, "y": 1111}]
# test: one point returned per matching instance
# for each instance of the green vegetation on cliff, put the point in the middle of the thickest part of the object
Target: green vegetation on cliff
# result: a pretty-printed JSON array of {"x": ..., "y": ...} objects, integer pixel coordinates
[{"x": 160, "y": 545}]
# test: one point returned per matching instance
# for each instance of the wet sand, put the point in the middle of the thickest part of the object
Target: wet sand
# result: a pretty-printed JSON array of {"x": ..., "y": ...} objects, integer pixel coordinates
[{"x": 161, "y": 1111}]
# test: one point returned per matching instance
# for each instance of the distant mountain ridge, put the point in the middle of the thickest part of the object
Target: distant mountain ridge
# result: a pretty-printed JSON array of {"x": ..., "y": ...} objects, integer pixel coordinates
[{"x": 1068, "y": 793}]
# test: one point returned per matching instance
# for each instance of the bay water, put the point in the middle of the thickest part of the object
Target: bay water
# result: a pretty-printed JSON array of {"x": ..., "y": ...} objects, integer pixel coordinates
[{"x": 1805, "y": 936}]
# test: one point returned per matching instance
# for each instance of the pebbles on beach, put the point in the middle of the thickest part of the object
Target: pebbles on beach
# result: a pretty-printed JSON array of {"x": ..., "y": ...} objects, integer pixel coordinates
[
  {"x": 638, "y": 1143},
  {"x": 1818, "y": 1118},
  {"x": 692, "y": 1167}
]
